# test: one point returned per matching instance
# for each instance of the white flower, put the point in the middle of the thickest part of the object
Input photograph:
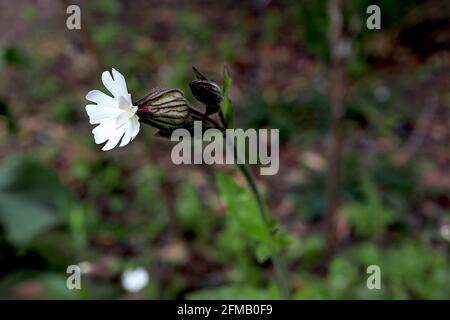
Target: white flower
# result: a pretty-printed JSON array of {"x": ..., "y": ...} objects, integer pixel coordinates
[
  {"x": 116, "y": 116},
  {"x": 134, "y": 280}
]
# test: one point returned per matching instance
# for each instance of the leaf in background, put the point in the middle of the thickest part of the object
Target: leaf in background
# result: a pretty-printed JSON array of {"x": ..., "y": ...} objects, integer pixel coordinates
[
  {"x": 31, "y": 199},
  {"x": 12, "y": 55},
  {"x": 342, "y": 275},
  {"x": 191, "y": 211},
  {"x": 369, "y": 218},
  {"x": 55, "y": 287},
  {"x": 227, "y": 105},
  {"x": 417, "y": 269}
]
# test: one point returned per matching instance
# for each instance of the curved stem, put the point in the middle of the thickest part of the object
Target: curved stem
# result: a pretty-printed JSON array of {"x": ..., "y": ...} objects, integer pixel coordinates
[
  {"x": 281, "y": 274},
  {"x": 277, "y": 259}
]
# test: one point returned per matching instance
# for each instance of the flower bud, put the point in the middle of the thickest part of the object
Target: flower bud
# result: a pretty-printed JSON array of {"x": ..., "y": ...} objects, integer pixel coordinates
[
  {"x": 165, "y": 109},
  {"x": 206, "y": 91}
]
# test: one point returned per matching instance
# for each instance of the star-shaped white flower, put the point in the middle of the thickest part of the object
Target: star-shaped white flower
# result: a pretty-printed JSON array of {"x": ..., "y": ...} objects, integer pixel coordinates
[{"x": 116, "y": 116}]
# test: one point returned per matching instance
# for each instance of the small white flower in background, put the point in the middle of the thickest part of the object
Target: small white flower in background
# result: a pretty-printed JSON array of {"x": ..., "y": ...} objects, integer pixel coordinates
[
  {"x": 133, "y": 280},
  {"x": 445, "y": 232},
  {"x": 116, "y": 116}
]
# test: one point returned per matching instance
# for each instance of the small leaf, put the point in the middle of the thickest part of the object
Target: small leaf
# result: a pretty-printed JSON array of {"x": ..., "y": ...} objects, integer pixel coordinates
[
  {"x": 242, "y": 209},
  {"x": 227, "y": 105},
  {"x": 246, "y": 219},
  {"x": 268, "y": 249}
]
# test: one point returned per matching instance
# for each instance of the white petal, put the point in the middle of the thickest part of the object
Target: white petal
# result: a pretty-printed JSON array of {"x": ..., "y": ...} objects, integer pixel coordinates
[
  {"x": 124, "y": 104},
  {"x": 114, "y": 138},
  {"x": 99, "y": 113},
  {"x": 135, "y": 126},
  {"x": 101, "y": 98},
  {"x": 127, "y": 136},
  {"x": 122, "y": 119},
  {"x": 104, "y": 131},
  {"x": 109, "y": 83},
  {"x": 121, "y": 85}
]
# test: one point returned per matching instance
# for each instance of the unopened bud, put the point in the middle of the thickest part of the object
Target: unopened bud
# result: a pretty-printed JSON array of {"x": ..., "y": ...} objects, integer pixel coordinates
[{"x": 207, "y": 92}]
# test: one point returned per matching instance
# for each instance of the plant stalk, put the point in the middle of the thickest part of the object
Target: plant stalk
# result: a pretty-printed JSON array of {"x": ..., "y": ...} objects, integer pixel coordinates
[
  {"x": 281, "y": 274},
  {"x": 337, "y": 98}
]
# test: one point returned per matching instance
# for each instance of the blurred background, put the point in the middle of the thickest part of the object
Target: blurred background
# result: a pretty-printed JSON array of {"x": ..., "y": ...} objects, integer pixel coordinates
[{"x": 65, "y": 202}]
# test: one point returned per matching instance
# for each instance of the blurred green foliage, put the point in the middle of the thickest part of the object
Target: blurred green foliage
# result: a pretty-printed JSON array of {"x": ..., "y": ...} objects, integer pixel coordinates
[
  {"x": 27, "y": 208},
  {"x": 369, "y": 218}
]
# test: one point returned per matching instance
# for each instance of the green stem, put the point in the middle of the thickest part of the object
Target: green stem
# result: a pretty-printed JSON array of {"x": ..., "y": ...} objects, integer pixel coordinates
[
  {"x": 281, "y": 274},
  {"x": 277, "y": 259}
]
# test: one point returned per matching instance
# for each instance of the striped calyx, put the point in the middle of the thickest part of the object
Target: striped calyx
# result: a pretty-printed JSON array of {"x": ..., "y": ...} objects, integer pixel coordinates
[{"x": 165, "y": 109}]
